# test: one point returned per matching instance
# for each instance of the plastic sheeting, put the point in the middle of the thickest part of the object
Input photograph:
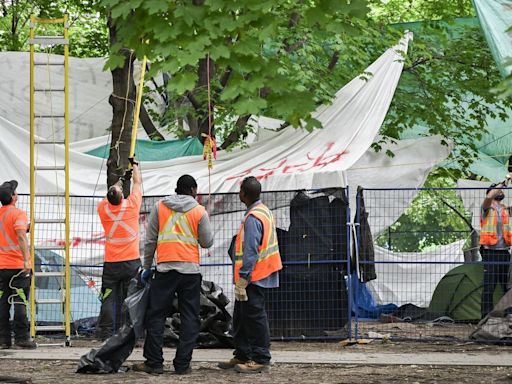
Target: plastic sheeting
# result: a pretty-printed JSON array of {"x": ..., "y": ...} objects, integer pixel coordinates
[
  {"x": 147, "y": 150},
  {"x": 113, "y": 353},
  {"x": 496, "y": 18},
  {"x": 411, "y": 277},
  {"x": 89, "y": 90}
]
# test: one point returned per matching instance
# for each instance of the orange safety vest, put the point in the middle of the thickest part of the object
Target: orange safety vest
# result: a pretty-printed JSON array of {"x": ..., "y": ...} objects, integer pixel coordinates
[
  {"x": 488, "y": 227},
  {"x": 121, "y": 225},
  {"x": 269, "y": 259},
  {"x": 178, "y": 234},
  {"x": 11, "y": 219}
]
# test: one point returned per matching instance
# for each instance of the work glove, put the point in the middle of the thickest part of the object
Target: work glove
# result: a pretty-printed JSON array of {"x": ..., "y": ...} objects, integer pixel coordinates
[
  {"x": 127, "y": 175},
  {"x": 132, "y": 161},
  {"x": 145, "y": 276},
  {"x": 240, "y": 293}
]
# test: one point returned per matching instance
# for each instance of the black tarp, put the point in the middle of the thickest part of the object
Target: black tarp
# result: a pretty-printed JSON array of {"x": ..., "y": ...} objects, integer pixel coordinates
[
  {"x": 312, "y": 298},
  {"x": 113, "y": 353}
]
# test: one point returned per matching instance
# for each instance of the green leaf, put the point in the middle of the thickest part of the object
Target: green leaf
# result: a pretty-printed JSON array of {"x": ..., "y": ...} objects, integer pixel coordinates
[{"x": 182, "y": 82}]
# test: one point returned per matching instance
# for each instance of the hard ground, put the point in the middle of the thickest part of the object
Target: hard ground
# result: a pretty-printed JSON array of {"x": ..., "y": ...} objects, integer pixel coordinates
[{"x": 377, "y": 362}]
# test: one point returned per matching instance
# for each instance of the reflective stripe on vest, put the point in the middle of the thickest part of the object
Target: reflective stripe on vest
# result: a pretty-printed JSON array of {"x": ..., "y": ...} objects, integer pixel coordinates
[
  {"x": 178, "y": 234},
  {"x": 11, "y": 245},
  {"x": 118, "y": 221},
  {"x": 489, "y": 230},
  {"x": 269, "y": 259}
]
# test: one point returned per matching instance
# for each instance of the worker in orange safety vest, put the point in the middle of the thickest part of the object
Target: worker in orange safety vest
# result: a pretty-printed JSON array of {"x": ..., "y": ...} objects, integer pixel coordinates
[
  {"x": 15, "y": 269},
  {"x": 120, "y": 220},
  {"x": 178, "y": 226},
  {"x": 256, "y": 265},
  {"x": 495, "y": 242}
]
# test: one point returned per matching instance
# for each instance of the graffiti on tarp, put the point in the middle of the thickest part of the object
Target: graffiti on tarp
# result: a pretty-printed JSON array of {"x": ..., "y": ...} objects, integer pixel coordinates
[{"x": 284, "y": 166}]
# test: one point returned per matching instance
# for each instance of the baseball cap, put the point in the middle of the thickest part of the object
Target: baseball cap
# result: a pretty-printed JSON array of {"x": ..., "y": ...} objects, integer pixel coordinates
[{"x": 7, "y": 189}]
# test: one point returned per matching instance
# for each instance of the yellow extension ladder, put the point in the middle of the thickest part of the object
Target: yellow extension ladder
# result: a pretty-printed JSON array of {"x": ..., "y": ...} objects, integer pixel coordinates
[{"x": 49, "y": 209}]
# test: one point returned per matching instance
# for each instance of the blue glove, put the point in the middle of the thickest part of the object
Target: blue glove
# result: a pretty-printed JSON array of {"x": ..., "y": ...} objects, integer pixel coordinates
[{"x": 145, "y": 276}]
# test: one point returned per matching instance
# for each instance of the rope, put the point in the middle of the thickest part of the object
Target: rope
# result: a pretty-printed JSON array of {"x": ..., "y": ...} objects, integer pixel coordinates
[
  {"x": 19, "y": 292},
  {"x": 210, "y": 147}
]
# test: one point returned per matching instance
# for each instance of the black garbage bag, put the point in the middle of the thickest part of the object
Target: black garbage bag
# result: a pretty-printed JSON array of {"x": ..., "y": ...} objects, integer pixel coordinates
[
  {"x": 215, "y": 319},
  {"x": 114, "y": 352}
]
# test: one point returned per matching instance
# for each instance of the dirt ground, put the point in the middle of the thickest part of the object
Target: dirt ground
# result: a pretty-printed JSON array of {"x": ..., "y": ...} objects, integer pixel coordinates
[{"x": 41, "y": 371}]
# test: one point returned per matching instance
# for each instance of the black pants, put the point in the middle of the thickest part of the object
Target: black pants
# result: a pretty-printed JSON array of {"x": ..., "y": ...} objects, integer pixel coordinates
[
  {"x": 164, "y": 286},
  {"x": 21, "y": 327},
  {"x": 251, "y": 334},
  {"x": 114, "y": 286},
  {"x": 496, "y": 267}
]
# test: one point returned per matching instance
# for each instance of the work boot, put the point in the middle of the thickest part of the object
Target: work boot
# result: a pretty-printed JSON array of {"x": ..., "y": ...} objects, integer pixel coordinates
[
  {"x": 25, "y": 344},
  {"x": 230, "y": 364},
  {"x": 185, "y": 371},
  {"x": 252, "y": 367},
  {"x": 143, "y": 367}
]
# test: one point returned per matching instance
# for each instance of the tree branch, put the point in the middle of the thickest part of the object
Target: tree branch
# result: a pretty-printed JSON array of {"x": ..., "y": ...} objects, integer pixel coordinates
[
  {"x": 225, "y": 77},
  {"x": 148, "y": 125},
  {"x": 237, "y": 132},
  {"x": 193, "y": 100}
]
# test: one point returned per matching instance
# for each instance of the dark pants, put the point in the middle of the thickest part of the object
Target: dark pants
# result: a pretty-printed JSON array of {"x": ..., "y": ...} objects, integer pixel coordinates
[
  {"x": 21, "y": 327},
  {"x": 251, "y": 334},
  {"x": 114, "y": 286},
  {"x": 164, "y": 286},
  {"x": 496, "y": 267}
]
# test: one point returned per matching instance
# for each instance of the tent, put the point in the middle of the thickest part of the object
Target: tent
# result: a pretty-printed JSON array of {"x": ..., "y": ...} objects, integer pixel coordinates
[{"x": 458, "y": 294}]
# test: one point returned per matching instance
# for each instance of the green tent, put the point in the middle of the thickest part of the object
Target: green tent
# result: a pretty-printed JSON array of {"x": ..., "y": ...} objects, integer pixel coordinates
[
  {"x": 146, "y": 150},
  {"x": 458, "y": 294}
]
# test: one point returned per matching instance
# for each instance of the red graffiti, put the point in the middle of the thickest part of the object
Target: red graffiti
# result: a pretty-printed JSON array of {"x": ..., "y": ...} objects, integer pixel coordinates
[{"x": 284, "y": 167}]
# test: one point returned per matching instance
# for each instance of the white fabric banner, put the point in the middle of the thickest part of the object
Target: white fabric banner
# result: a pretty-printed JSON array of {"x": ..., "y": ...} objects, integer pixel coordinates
[{"x": 292, "y": 159}]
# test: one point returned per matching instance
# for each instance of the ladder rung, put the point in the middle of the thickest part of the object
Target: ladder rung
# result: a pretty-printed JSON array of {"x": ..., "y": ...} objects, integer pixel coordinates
[
  {"x": 43, "y": 63},
  {"x": 50, "y": 221},
  {"x": 49, "y": 274},
  {"x": 50, "y": 168},
  {"x": 50, "y": 247},
  {"x": 59, "y": 142},
  {"x": 49, "y": 40},
  {"x": 49, "y": 116},
  {"x": 49, "y": 301},
  {"x": 50, "y": 194},
  {"x": 50, "y": 328},
  {"x": 49, "y": 90}
]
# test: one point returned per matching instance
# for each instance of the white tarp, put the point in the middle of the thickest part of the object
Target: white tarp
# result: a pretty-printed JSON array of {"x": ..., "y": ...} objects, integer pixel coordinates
[
  {"x": 89, "y": 90},
  {"x": 411, "y": 277},
  {"x": 293, "y": 159}
]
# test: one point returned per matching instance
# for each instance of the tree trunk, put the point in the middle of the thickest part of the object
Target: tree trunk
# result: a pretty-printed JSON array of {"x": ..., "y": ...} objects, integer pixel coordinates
[
  {"x": 202, "y": 83},
  {"x": 122, "y": 101}
]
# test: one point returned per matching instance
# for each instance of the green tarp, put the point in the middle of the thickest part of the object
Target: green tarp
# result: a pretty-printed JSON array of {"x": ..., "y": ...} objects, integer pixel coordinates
[
  {"x": 495, "y": 146},
  {"x": 496, "y": 18},
  {"x": 146, "y": 150}
]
